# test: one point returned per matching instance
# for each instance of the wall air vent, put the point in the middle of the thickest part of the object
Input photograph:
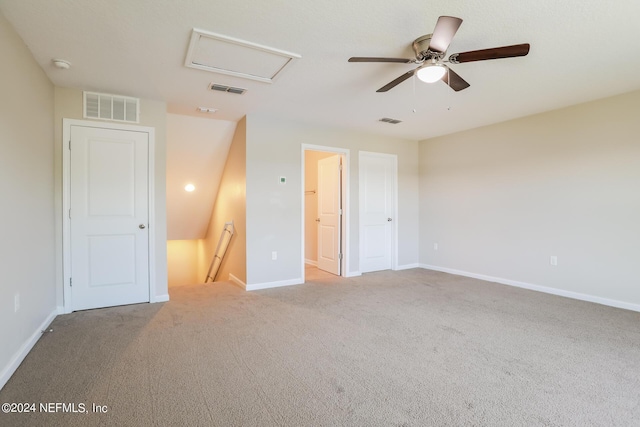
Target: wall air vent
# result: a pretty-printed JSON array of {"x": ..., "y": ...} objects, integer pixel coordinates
[
  {"x": 111, "y": 107},
  {"x": 226, "y": 55},
  {"x": 229, "y": 89},
  {"x": 388, "y": 120}
]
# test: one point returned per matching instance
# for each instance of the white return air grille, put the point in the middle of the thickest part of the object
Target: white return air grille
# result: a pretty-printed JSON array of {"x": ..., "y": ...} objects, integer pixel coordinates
[{"x": 111, "y": 107}]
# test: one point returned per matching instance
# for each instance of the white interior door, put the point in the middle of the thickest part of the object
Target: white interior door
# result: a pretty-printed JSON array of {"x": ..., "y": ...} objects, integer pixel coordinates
[
  {"x": 329, "y": 213},
  {"x": 109, "y": 210},
  {"x": 377, "y": 210}
]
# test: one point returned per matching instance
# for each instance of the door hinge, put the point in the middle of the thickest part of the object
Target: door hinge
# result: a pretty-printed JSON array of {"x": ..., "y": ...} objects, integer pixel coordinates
[
  {"x": 340, "y": 211},
  {"x": 70, "y": 282},
  {"x": 339, "y": 256},
  {"x": 340, "y": 167},
  {"x": 69, "y": 213},
  {"x": 69, "y": 144}
]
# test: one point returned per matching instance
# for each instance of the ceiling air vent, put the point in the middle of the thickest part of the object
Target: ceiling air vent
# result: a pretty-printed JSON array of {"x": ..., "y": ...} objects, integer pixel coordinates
[
  {"x": 230, "y": 89},
  {"x": 388, "y": 120},
  {"x": 111, "y": 107}
]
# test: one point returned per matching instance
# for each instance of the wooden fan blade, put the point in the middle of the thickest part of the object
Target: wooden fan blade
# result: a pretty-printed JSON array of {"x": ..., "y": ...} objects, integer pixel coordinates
[
  {"x": 454, "y": 81},
  {"x": 373, "y": 59},
  {"x": 443, "y": 33},
  {"x": 495, "y": 53},
  {"x": 397, "y": 81}
]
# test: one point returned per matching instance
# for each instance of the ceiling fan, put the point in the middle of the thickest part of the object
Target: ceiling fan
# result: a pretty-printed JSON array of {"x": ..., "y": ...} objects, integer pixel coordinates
[{"x": 430, "y": 52}]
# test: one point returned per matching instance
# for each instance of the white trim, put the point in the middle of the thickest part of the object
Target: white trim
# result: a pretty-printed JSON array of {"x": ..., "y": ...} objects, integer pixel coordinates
[
  {"x": 311, "y": 262},
  {"x": 197, "y": 34},
  {"x": 66, "y": 181},
  {"x": 538, "y": 288},
  {"x": 17, "y": 359},
  {"x": 407, "y": 266},
  {"x": 233, "y": 279},
  {"x": 394, "y": 211},
  {"x": 346, "y": 207},
  {"x": 153, "y": 297},
  {"x": 354, "y": 274},
  {"x": 277, "y": 284},
  {"x": 160, "y": 298}
]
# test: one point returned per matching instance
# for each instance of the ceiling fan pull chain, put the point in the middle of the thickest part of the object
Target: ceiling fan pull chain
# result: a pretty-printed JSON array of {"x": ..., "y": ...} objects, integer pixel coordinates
[
  {"x": 449, "y": 93},
  {"x": 414, "y": 93}
]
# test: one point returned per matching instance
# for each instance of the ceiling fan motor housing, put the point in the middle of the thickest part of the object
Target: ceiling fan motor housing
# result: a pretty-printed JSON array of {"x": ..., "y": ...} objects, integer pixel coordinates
[{"x": 421, "y": 48}]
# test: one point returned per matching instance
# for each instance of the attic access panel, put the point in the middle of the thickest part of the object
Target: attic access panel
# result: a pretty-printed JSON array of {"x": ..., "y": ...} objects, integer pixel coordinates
[{"x": 227, "y": 55}]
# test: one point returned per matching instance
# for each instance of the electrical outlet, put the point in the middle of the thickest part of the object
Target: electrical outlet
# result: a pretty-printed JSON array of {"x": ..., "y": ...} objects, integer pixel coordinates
[
  {"x": 553, "y": 260},
  {"x": 274, "y": 255},
  {"x": 16, "y": 303},
  {"x": 435, "y": 246}
]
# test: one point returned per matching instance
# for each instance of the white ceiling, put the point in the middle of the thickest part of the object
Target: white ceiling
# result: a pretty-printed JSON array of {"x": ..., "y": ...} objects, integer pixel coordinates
[{"x": 580, "y": 50}]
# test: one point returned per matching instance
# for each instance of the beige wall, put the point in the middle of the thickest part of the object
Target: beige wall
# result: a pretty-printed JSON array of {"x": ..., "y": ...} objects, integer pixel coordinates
[
  {"x": 230, "y": 205},
  {"x": 502, "y": 199},
  {"x": 68, "y": 104},
  {"x": 184, "y": 262},
  {"x": 274, "y": 211},
  {"x": 27, "y": 236},
  {"x": 311, "y": 203}
]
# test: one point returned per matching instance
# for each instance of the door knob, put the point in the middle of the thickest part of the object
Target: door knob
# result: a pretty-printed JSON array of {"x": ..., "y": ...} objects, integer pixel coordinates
[
  {"x": 142, "y": 226},
  {"x": 389, "y": 219}
]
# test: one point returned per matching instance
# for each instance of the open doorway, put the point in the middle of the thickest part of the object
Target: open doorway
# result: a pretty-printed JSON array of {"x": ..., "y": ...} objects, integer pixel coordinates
[{"x": 325, "y": 208}]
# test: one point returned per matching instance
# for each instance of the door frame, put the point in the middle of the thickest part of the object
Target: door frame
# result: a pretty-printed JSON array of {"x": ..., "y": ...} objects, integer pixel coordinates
[
  {"x": 66, "y": 193},
  {"x": 394, "y": 210},
  {"x": 345, "y": 223}
]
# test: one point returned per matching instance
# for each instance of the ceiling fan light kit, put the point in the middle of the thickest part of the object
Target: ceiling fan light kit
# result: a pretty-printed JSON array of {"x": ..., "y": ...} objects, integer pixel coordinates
[
  {"x": 431, "y": 73},
  {"x": 430, "y": 51}
]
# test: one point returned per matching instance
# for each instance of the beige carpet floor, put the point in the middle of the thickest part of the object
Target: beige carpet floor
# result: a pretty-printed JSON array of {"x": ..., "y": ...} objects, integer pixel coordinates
[{"x": 409, "y": 348}]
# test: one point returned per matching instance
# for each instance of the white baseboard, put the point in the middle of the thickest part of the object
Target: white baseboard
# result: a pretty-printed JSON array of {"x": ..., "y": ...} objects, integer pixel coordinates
[
  {"x": 233, "y": 279},
  {"x": 311, "y": 262},
  {"x": 353, "y": 274},
  {"x": 407, "y": 266},
  {"x": 15, "y": 362},
  {"x": 161, "y": 298},
  {"x": 532, "y": 287},
  {"x": 267, "y": 285}
]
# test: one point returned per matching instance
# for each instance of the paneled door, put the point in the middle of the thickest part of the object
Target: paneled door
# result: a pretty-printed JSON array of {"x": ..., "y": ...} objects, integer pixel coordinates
[
  {"x": 377, "y": 210},
  {"x": 329, "y": 214},
  {"x": 109, "y": 217}
]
